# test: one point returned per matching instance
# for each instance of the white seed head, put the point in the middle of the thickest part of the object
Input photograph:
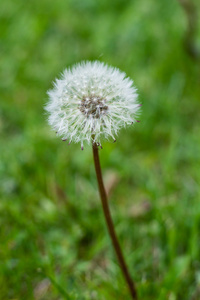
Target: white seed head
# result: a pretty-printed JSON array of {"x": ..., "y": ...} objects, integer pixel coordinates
[{"x": 91, "y": 101}]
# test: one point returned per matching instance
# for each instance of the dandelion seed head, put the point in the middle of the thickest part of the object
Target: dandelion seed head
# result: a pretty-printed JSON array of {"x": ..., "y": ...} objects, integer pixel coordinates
[{"x": 91, "y": 101}]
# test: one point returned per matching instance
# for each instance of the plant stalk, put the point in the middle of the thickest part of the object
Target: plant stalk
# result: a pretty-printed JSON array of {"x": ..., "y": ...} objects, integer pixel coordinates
[{"x": 110, "y": 225}]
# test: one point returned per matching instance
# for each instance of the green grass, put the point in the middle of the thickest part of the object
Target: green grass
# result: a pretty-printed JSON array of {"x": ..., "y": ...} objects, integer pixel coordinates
[{"x": 53, "y": 241}]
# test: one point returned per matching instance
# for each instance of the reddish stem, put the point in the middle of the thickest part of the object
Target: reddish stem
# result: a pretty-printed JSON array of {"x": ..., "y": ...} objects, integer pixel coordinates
[{"x": 110, "y": 225}]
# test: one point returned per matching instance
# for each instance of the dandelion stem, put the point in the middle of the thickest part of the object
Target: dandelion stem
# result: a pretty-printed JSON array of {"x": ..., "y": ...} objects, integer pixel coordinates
[{"x": 110, "y": 225}]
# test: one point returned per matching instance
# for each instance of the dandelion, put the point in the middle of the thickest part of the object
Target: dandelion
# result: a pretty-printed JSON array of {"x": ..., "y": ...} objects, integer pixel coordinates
[{"x": 90, "y": 102}]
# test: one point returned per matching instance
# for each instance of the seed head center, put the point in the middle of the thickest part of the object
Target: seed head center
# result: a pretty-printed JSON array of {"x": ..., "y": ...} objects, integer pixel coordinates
[{"x": 93, "y": 106}]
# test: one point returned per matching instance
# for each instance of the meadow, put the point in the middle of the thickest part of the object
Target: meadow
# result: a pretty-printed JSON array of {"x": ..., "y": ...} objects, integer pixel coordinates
[{"x": 53, "y": 240}]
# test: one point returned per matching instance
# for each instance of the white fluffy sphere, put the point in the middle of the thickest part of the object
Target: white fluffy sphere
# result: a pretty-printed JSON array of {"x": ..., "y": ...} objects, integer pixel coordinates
[{"x": 91, "y": 101}]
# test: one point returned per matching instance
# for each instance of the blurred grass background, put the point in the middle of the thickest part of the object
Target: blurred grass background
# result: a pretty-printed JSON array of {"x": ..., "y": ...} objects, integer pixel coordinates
[{"x": 53, "y": 240}]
